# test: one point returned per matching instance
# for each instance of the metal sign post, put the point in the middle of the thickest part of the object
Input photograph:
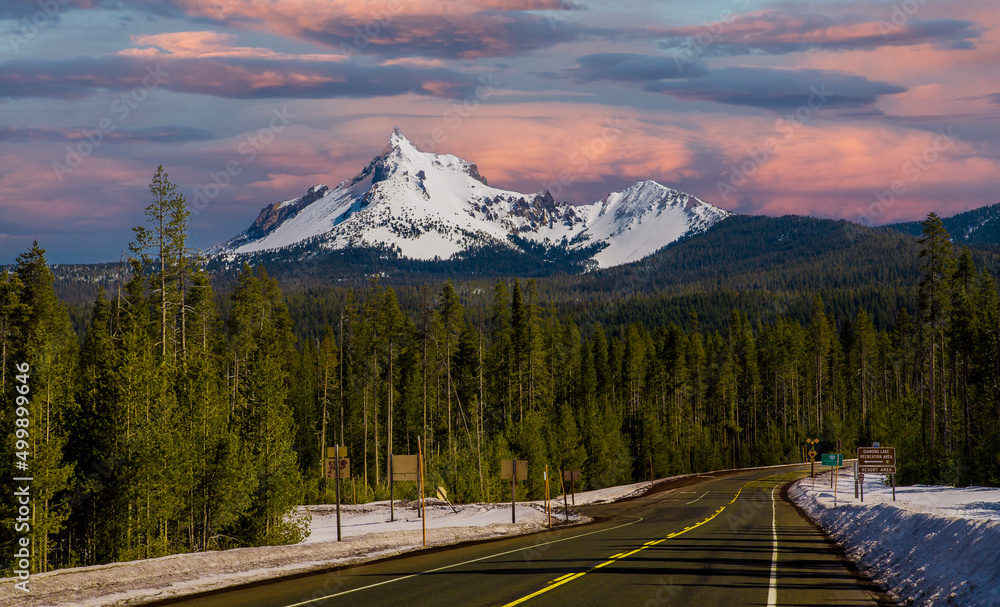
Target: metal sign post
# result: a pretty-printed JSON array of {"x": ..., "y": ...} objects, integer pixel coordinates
[
  {"x": 835, "y": 460},
  {"x": 401, "y": 468},
  {"x": 337, "y": 467},
  {"x": 515, "y": 470},
  {"x": 548, "y": 512},
  {"x": 337, "y": 447},
  {"x": 562, "y": 487},
  {"x": 812, "y": 458},
  {"x": 855, "y": 467},
  {"x": 572, "y": 476},
  {"x": 513, "y": 504},
  {"x": 392, "y": 506},
  {"x": 420, "y": 484}
]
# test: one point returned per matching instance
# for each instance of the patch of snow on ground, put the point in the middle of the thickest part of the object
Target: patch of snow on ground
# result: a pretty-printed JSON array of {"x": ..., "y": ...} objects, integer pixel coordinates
[
  {"x": 933, "y": 546},
  {"x": 374, "y": 517},
  {"x": 368, "y": 536}
]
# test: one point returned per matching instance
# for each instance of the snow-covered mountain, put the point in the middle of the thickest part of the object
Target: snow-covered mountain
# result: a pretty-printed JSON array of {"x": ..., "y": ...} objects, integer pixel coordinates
[{"x": 428, "y": 206}]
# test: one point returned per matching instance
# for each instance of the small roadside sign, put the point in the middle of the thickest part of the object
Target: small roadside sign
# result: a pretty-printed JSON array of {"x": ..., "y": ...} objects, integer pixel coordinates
[
  {"x": 812, "y": 454},
  {"x": 833, "y": 459},
  {"x": 332, "y": 451},
  {"x": 571, "y": 475},
  {"x": 507, "y": 468},
  {"x": 345, "y": 467},
  {"x": 514, "y": 470},
  {"x": 405, "y": 468}
]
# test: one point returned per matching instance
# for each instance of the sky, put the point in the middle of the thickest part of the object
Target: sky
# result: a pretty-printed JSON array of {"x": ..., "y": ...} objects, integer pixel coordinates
[{"x": 875, "y": 111}]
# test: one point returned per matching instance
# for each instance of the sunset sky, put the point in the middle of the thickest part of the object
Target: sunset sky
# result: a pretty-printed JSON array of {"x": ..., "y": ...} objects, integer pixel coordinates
[{"x": 817, "y": 108}]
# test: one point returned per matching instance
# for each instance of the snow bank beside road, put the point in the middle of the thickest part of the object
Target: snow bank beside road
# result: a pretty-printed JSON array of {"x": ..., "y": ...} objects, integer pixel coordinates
[
  {"x": 368, "y": 535},
  {"x": 374, "y": 517},
  {"x": 932, "y": 546}
]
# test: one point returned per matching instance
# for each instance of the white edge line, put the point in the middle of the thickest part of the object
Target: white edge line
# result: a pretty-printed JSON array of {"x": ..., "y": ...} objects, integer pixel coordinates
[
  {"x": 772, "y": 590},
  {"x": 482, "y": 558},
  {"x": 698, "y": 498}
]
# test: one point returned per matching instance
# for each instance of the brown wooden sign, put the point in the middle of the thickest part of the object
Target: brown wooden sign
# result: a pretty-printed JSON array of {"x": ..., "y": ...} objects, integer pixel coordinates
[
  {"x": 507, "y": 468},
  {"x": 571, "y": 475},
  {"x": 345, "y": 467},
  {"x": 332, "y": 451},
  {"x": 405, "y": 468},
  {"x": 878, "y": 460}
]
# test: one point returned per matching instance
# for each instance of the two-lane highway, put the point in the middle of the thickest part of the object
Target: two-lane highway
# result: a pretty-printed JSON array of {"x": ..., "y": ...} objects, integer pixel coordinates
[{"x": 712, "y": 540}]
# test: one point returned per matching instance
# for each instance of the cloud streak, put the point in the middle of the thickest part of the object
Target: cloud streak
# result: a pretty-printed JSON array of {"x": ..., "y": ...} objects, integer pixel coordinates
[
  {"x": 774, "y": 33},
  {"x": 226, "y": 77},
  {"x": 632, "y": 67},
  {"x": 777, "y": 89},
  {"x": 160, "y": 134}
]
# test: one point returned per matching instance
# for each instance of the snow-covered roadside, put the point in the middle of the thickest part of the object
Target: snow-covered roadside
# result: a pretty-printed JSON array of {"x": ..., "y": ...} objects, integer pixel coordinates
[
  {"x": 368, "y": 535},
  {"x": 932, "y": 546}
]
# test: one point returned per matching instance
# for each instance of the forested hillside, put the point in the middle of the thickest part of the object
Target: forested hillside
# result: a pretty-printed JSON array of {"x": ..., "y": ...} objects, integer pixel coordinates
[
  {"x": 976, "y": 227},
  {"x": 186, "y": 423}
]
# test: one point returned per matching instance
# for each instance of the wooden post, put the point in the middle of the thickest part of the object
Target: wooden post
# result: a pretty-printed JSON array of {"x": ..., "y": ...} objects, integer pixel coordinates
[
  {"x": 420, "y": 483},
  {"x": 336, "y": 462},
  {"x": 835, "y": 483},
  {"x": 856, "y": 483},
  {"x": 392, "y": 514},
  {"x": 513, "y": 487},
  {"x": 547, "y": 511},
  {"x": 562, "y": 486}
]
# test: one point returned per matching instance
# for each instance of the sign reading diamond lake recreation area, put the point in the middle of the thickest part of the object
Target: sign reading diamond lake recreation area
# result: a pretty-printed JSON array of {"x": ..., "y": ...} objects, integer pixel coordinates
[{"x": 878, "y": 460}]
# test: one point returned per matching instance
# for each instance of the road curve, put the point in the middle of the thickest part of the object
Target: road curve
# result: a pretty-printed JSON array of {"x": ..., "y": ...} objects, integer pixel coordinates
[{"x": 710, "y": 540}]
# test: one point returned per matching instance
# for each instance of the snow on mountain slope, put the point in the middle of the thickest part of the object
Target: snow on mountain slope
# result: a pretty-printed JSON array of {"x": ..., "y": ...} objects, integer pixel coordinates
[
  {"x": 428, "y": 206},
  {"x": 643, "y": 219}
]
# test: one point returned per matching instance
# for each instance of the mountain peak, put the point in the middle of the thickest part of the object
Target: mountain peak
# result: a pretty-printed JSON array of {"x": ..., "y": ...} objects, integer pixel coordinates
[
  {"x": 399, "y": 143},
  {"x": 425, "y": 205}
]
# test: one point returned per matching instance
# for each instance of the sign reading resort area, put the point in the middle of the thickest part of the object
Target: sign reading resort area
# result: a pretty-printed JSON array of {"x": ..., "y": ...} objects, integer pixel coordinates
[{"x": 877, "y": 460}]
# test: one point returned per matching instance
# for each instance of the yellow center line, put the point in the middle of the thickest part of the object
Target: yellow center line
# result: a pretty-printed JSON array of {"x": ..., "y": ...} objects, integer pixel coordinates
[
  {"x": 561, "y": 577},
  {"x": 569, "y": 577}
]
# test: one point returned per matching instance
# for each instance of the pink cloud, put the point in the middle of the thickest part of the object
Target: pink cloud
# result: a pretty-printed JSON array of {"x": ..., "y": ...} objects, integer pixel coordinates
[
  {"x": 207, "y": 44},
  {"x": 452, "y": 28}
]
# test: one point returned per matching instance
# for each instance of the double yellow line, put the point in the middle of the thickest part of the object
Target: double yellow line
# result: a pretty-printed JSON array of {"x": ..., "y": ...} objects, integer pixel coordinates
[{"x": 569, "y": 577}]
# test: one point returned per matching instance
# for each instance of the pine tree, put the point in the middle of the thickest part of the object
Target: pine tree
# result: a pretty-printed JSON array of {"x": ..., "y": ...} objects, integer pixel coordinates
[
  {"x": 937, "y": 269},
  {"x": 449, "y": 326},
  {"x": 96, "y": 445},
  {"x": 261, "y": 346},
  {"x": 47, "y": 344}
]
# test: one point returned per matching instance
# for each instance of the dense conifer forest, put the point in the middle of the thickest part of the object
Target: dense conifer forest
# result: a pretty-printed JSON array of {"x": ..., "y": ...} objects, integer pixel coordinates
[{"x": 181, "y": 416}]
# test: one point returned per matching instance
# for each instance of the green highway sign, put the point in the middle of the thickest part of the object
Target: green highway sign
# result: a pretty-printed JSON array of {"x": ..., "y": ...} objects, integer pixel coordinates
[{"x": 833, "y": 459}]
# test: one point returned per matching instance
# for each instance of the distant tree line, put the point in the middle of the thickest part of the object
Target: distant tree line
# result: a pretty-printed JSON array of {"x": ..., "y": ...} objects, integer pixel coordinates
[{"x": 185, "y": 423}]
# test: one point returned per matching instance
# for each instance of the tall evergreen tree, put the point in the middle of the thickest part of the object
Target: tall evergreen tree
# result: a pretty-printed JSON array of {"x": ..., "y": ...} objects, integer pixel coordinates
[{"x": 937, "y": 269}]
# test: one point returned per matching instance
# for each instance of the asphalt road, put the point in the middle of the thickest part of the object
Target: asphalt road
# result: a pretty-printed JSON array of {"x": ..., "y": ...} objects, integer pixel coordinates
[{"x": 712, "y": 540}]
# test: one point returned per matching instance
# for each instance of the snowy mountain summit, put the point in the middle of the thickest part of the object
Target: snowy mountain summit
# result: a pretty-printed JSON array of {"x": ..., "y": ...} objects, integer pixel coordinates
[{"x": 427, "y": 206}]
